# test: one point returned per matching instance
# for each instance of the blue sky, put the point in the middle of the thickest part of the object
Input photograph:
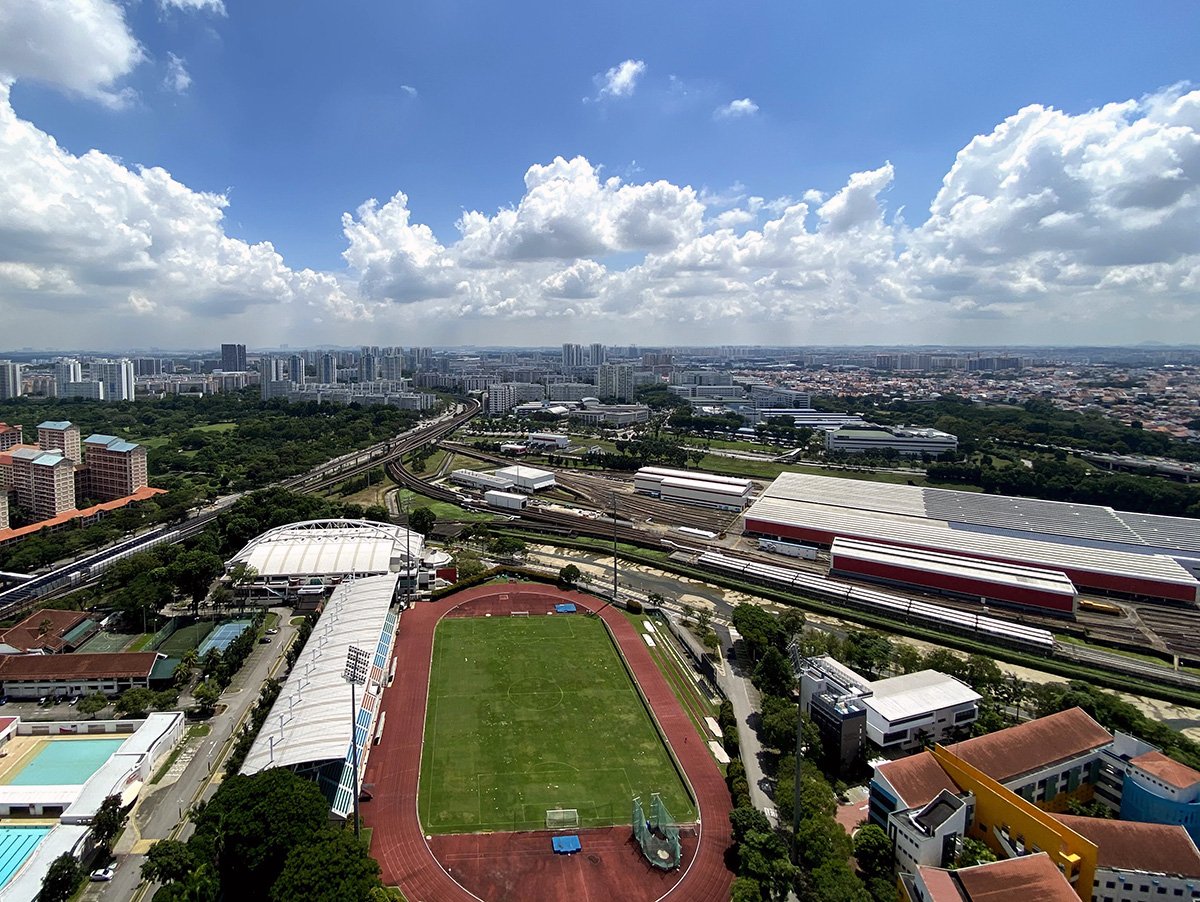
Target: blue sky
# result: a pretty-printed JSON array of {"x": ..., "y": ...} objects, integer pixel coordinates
[{"x": 298, "y": 113}]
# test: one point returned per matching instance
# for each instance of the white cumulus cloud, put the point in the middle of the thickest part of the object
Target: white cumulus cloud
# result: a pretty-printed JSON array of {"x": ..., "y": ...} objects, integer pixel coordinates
[
  {"x": 736, "y": 109},
  {"x": 82, "y": 46},
  {"x": 620, "y": 80}
]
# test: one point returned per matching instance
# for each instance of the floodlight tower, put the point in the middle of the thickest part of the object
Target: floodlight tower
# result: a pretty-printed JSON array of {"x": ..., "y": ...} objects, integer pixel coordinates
[{"x": 355, "y": 674}]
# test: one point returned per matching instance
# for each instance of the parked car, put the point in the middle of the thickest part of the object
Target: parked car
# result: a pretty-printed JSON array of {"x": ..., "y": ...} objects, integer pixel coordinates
[
  {"x": 272, "y": 631},
  {"x": 265, "y": 640},
  {"x": 102, "y": 875}
]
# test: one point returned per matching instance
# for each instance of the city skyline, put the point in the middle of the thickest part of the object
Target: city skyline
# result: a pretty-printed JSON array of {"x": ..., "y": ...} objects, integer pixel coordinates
[{"x": 891, "y": 180}]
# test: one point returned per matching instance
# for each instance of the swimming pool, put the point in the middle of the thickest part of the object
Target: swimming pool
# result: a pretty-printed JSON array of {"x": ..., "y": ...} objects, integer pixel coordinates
[
  {"x": 17, "y": 844},
  {"x": 65, "y": 762}
]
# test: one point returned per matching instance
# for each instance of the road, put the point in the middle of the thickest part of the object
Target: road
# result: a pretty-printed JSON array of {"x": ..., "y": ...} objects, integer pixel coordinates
[
  {"x": 746, "y": 701},
  {"x": 158, "y": 813}
]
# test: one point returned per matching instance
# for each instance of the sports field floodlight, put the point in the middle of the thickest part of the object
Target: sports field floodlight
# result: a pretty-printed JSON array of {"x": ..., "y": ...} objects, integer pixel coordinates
[{"x": 355, "y": 674}]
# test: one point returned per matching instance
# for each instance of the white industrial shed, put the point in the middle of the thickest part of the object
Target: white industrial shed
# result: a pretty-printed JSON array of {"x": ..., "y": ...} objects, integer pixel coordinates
[
  {"x": 308, "y": 729},
  {"x": 527, "y": 479},
  {"x": 476, "y": 480},
  {"x": 326, "y": 551},
  {"x": 691, "y": 487}
]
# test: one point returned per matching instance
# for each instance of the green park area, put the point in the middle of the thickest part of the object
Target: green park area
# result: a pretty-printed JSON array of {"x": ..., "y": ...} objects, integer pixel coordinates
[{"x": 529, "y": 714}]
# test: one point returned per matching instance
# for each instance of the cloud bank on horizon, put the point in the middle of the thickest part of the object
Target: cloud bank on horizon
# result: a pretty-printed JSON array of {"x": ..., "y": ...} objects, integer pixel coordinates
[{"x": 1050, "y": 227}]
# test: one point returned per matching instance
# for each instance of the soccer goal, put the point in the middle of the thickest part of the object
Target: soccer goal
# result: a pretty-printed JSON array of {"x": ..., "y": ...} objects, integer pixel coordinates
[
  {"x": 562, "y": 819},
  {"x": 519, "y": 613}
]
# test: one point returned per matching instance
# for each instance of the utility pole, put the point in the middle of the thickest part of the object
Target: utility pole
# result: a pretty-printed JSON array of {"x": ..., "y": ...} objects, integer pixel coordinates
[{"x": 355, "y": 674}]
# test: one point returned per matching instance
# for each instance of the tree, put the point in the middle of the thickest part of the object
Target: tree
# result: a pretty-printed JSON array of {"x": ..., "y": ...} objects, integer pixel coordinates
[
  {"x": 422, "y": 520},
  {"x": 334, "y": 867},
  {"x": 108, "y": 821},
  {"x": 164, "y": 700},
  {"x": 568, "y": 575},
  {"x": 759, "y": 630},
  {"x": 773, "y": 675},
  {"x": 193, "y": 572},
  {"x": 507, "y": 545},
  {"x": 745, "y": 890},
  {"x": 873, "y": 850},
  {"x": 251, "y": 825},
  {"x": 61, "y": 880},
  {"x": 973, "y": 852},
  {"x": 135, "y": 702},
  {"x": 745, "y": 821},
  {"x": 93, "y": 704},
  {"x": 778, "y": 722},
  {"x": 206, "y": 695},
  {"x": 167, "y": 861}
]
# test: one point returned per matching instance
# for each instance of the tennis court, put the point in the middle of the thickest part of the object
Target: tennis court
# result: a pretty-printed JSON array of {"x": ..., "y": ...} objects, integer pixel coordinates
[{"x": 222, "y": 637}]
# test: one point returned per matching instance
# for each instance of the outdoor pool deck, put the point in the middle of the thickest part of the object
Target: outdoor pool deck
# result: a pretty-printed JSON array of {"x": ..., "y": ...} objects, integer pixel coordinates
[
  {"x": 54, "y": 761},
  {"x": 16, "y": 845}
]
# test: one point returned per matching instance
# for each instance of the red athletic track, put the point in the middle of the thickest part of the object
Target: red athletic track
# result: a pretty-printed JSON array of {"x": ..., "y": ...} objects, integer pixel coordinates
[{"x": 394, "y": 767}]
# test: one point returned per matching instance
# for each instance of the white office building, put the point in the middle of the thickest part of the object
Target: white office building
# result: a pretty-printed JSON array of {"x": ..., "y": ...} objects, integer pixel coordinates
[
  {"x": 908, "y": 441},
  {"x": 117, "y": 377}
]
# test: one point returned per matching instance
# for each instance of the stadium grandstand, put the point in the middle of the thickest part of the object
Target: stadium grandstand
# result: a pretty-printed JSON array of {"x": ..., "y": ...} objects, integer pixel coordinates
[
  {"x": 307, "y": 730},
  {"x": 306, "y": 559}
]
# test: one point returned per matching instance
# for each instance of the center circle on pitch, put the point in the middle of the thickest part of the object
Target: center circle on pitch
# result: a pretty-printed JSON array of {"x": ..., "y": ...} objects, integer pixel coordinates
[{"x": 537, "y": 694}]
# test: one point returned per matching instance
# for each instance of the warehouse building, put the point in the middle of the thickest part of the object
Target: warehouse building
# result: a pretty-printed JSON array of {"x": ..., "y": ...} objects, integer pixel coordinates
[
  {"x": 505, "y": 500},
  {"x": 527, "y": 479},
  {"x": 476, "y": 480},
  {"x": 48, "y": 631},
  {"x": 1097, "y": 548},
  {"x": 692, "y": 487},
  {"x": 907, "y": 441},
  {"x": 551, "y": 440},
  {"x": 981, "y": 580},
  {"x": 307, "y": 559}
]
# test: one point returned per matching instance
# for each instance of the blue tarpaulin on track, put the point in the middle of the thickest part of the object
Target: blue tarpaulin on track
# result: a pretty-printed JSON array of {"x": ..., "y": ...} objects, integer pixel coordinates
[
  {"x": 566, "y": 845},
  {"x": 567, "y": 608}
]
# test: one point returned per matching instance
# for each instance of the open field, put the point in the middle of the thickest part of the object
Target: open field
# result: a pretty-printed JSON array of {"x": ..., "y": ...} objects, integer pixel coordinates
[
  {"x": 443, "y": 509},
  {"x": 531, "y": 713}
]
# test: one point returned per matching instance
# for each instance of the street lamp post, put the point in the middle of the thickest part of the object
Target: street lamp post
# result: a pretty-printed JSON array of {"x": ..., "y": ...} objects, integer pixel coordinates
[{"x": 355, "y": 674}]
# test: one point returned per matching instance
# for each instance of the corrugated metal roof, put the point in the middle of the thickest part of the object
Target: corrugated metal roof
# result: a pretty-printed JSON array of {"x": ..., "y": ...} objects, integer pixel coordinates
[
  {"x": 938, "y": 534},
  {"x": 55, "y": 424},
  {"x": 971, "y": 568},
  {"x": 308, "y": 722}
]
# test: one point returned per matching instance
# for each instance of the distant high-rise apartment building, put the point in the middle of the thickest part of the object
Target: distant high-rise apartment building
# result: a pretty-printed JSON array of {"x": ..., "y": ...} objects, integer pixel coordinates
[
  {"x": 233, "y": 358},
  {"x": 3, "y": 511},
  {"x": 572, "y": 356},
  {"x": 368, "y": 368},
  {"x": 61, "y": 436},
  {"x": 422, "y": 359},
  {"x": 115, "y": 467},
  {"x": 90, "y": 389},
  {"x": 147, "y": 366},
  {"x": 391, "y": 367},
  {"x": 66, "y": 371},
  {"x": 10, "y": 380},
  {"x": 596, "y": 351},
  {"x": 117, "y": 376},
  {"x": 327, "y": 370},
  {"x": 296, "y": 369},
  {"x": 615, "y": 380}
]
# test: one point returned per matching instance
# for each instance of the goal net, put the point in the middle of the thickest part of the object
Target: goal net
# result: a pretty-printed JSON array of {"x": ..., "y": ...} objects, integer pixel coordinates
[
  {"x": 658, "y": 835},
  {"x": 562, "y": 818}
]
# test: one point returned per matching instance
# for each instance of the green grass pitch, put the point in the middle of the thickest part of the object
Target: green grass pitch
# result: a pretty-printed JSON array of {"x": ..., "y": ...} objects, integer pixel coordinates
[{"x": 531, "y": 713}]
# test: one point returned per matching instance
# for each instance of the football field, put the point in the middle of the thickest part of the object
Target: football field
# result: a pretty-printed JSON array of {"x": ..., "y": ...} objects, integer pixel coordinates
[{"x": 532, "y": 713}]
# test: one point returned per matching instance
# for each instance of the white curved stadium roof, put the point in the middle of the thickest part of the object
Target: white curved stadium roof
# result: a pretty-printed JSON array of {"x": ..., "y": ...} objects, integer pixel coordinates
[
  {"x": 331, "y": 548},
  {"x": 308, "y": 721}
]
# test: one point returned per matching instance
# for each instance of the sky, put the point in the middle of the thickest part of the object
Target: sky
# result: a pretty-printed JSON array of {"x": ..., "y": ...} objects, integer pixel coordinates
[{"x": 180, "y": 173}]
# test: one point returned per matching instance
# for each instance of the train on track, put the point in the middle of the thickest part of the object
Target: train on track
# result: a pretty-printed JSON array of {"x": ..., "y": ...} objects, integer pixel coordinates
[{"x": 939, "y": 617}]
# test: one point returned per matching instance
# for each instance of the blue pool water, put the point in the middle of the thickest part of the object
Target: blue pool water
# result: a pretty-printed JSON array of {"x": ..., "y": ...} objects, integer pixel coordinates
[
  {"x": 17, "y": 844},
  {"x": 65, "y": 762}
]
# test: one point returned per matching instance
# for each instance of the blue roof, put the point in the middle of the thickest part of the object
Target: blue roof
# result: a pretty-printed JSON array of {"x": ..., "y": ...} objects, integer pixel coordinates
[
  {"x": 111, "y": 442},
  {"x": 55, "y": 424},
  {"x": 102, "y": 439},
  {"x": 48, "y": 460}
]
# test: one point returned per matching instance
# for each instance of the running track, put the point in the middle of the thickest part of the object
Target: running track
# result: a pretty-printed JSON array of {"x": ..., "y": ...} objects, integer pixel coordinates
[{"x": 394, "y": 765}]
